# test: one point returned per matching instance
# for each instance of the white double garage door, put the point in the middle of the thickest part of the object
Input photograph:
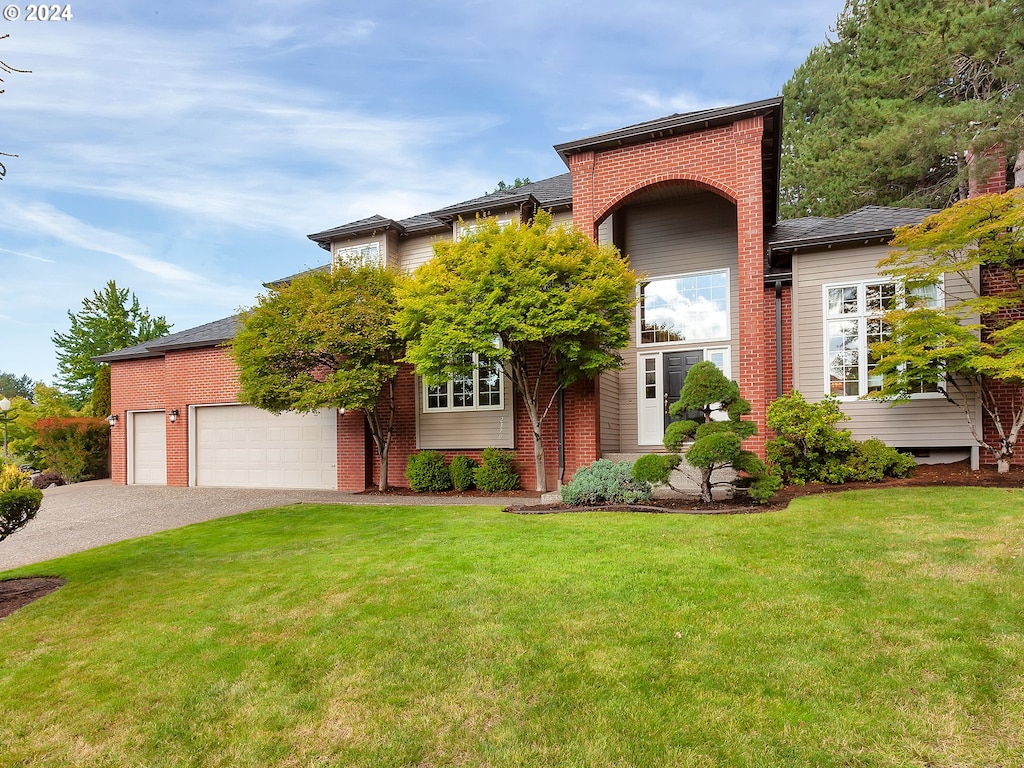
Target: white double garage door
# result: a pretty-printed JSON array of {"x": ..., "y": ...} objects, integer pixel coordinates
[{"x": 238, "y": 446}]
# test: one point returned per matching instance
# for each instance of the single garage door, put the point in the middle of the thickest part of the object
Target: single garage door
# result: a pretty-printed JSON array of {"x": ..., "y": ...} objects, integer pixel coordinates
[
  {"x": 243, "y": 447},
  {"x": 149, "y": 448}
]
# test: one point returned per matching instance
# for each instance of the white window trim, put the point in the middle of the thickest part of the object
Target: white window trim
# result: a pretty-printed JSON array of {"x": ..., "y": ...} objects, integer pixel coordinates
[
  {"x": 643, "y": 402},
  {"x": 354, "y": 253},
  {"x": 861, "y": 316},
  {"x": 463, "y": 228},
  {"x": 689, "y": 343},
  {"x": 450, "y": 384}
]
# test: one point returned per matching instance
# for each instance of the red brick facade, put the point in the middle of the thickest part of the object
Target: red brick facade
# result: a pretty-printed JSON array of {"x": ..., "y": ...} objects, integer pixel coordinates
[
  {"x": 176, "y": 381},
  {"x": 993, "y": 283},
  {"x": 726, "y": 160},
  {"x": 208, "y": 376}
]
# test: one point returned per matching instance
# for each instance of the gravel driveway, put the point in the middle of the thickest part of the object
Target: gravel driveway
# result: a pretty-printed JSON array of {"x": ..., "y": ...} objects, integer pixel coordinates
[{"x": 86, "y": 515}]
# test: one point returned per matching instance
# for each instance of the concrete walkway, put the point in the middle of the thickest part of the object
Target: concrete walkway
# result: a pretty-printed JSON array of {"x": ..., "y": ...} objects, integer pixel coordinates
[{"x": 86, "y": 515}]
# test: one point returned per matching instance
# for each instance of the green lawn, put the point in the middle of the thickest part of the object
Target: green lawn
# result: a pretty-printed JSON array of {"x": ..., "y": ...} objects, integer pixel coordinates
[{"x": 860, "y": 629}]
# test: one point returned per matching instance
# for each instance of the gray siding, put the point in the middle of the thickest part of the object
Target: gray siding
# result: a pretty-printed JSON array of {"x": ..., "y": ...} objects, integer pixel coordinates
[
  {"x": 690, "y": 234},
  {"x": 418, "y": 250},
  {"x": 465, "y": 430},
  {"x": 562, "y": 217},
  {"x": 926, "y": 422},
  {"x": 608, "y": 391}
]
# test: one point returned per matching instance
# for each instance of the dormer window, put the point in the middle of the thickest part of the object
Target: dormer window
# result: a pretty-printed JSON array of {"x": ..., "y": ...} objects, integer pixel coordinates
[{"x": 364, "y": 254}]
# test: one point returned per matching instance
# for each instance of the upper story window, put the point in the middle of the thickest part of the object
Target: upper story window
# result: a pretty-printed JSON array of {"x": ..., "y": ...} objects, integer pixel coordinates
[
  {"x": 466, "y": 228},
  {"x": 684, "y": 309},
  {"x": 481, "y": 389},
  {"x": 362, "y": 254},
  {"x": 854, "y": 320}
]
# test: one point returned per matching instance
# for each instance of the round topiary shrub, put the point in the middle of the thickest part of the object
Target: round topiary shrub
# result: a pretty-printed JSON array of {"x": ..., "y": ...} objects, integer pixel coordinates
[
  {"x": 462, "y": 469},
  {"x": 497, "y": 471},
  {"x": 17, "y": 507},
  {"x": 426, "y": 472}
]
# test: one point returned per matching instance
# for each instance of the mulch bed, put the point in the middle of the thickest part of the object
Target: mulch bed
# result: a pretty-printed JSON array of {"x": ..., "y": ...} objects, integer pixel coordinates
[
  {"x": 924, "y": 475},
  {"x": 15, "y": 593}
]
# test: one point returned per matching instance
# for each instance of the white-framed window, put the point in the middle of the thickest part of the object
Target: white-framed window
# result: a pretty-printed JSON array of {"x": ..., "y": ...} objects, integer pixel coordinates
[
  {"x": 483, "y": 389},
  {"x": 854, "y": 320},
  {"x": 371, "y": 254},
  {"x": 467, "y": 228},
  {"x": 687, "y": 308}
]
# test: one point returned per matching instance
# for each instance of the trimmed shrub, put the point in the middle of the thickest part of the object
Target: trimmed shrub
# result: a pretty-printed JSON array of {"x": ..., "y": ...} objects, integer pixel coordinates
[
  {"x": 462, "y": 469},
  {"x": 873, "y": 461},
  {"x": 17, "y": 507},
  {"x": 606, "y": 482},
  {"x": 764, "y": 487},
  {"x": 808, "y": 446},
  {"x": 426, "y": 472},
  {"x": 497, "y": 472},
  {"x": 656, "y": 468}
]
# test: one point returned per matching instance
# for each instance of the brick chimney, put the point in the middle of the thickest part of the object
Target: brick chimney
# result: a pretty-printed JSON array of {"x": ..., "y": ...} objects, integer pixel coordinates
[{"x": 991, "y": 161}]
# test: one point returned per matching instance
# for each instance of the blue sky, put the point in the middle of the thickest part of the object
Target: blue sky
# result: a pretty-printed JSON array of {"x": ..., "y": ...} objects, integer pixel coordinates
[{"x": 185, "y": 149}]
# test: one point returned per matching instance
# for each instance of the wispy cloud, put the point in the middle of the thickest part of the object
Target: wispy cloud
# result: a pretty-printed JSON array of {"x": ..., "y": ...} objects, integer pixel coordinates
[
  {"x": 213, "y": 141},
  {"x": 44, "y": 219},
  {"x": 28, "y": 256}
]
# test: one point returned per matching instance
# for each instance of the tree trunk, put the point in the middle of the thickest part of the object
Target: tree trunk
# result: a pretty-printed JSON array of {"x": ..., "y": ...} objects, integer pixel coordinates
[
  {"x": 538, "y": 459},
  {"x": 706, "y": 495},
  {"x": 1003, "y": 464},
  {"x": 1018, "y": 171},
  {"x": 382, "y": 484}
]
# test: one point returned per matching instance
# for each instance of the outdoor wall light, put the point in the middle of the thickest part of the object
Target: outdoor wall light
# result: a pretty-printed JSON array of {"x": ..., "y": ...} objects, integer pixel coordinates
[
  {"x": 174, "y": 415},
  {"x": 341, "y": 411},
  {"x": 112, "y": 420}
]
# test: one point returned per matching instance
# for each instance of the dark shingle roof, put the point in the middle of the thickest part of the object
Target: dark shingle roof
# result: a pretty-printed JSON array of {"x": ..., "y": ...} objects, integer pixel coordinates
[
  {"x": 286, "y": 280},
  {"x": 555, "y": 192},
  {"x": 662, "y": 127},
  {"x": 208, "y": 335},
  {"x": 370, "y": 224},
  {"x": 872, "y": 222},
  {"x": 546, "y": 193}
]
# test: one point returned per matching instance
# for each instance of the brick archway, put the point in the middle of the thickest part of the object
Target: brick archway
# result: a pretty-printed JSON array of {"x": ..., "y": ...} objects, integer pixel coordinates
[
  {"x": 725, "y": 159},
  {"x": 664, "y": 181}
]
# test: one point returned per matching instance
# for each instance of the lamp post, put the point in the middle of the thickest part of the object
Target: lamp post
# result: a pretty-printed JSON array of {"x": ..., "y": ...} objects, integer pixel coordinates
[{"x": 5, "y": 406}]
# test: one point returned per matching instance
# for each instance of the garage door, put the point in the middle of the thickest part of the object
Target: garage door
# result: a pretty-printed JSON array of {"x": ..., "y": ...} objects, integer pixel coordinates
[
  {"x": 149, "y": 448},
  {"x": 243, "y": 447}
]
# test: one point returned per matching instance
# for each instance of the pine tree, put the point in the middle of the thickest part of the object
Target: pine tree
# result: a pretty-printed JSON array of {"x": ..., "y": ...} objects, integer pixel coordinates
[
  {"x": 108, "y": 321},
  {"x": 884, "y": 113}
]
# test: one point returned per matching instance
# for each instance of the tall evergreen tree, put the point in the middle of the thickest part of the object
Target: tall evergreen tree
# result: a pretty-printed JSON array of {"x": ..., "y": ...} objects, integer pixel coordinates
[
  {"x": 885, "y": 112},
  {"x": 109, "y": 320},
  {"x": 16, "y": 386}
]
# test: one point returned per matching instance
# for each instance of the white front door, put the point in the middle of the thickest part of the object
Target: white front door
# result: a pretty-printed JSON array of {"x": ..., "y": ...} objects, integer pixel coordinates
[{"x": 650, "y": 398}]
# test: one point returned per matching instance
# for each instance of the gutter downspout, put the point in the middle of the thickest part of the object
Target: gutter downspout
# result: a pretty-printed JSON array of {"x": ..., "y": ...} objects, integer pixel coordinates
[
  {"x": 778, "y": 338},
  {"x": 561, "y": 437}
]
